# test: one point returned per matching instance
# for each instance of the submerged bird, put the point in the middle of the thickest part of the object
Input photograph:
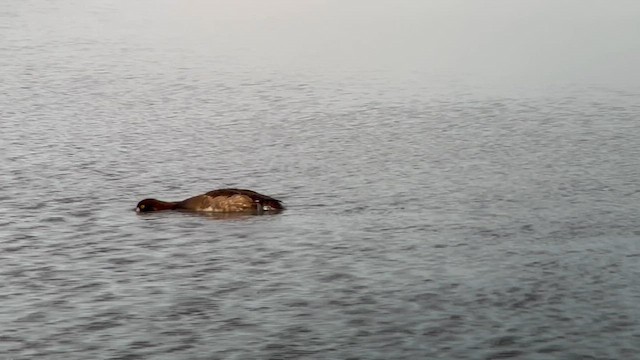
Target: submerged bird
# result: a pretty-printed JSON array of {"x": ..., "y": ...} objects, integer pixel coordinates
[{"x": 217, "y": 201}]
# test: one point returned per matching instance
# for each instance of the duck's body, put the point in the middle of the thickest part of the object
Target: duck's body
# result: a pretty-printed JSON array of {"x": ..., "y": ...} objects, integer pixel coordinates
[{"x": 217, "y": 201}]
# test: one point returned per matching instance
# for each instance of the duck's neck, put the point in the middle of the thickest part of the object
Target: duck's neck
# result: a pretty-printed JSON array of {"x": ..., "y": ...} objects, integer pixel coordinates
[{"x": 165, "y": 205}]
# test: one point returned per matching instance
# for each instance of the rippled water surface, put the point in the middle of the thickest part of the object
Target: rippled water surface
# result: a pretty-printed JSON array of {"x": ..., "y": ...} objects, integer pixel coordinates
[{"x": 427, "y": 217}]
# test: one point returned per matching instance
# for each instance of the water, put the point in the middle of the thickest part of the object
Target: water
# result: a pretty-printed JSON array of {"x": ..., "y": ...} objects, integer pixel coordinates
[{"x": 429, "y": 215}]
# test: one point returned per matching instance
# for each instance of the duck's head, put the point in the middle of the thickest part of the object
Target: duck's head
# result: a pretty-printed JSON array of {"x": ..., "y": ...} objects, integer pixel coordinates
[{"x": 148, "y": 205}]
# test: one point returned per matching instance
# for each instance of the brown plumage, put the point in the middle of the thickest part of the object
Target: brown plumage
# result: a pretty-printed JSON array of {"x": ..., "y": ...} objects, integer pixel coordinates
[{"x": 218, "y": 201}]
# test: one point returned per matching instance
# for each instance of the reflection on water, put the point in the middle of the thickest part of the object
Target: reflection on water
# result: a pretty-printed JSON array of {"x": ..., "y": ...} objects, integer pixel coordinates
[
  {"x": 426, "y": 218},
  {"x": 234, "y": 216}
]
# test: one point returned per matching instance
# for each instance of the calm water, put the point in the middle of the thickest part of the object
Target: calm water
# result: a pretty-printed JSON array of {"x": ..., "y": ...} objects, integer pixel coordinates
[{"x": 429, "y": 215}]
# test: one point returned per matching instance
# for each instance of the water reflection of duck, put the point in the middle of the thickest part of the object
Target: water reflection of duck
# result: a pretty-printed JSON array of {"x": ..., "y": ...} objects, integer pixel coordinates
[{"x": 217, "y": 201}]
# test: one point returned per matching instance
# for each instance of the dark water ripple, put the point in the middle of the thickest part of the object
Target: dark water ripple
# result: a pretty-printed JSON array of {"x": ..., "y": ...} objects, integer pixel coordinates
[{"x": 423, "y": 222}]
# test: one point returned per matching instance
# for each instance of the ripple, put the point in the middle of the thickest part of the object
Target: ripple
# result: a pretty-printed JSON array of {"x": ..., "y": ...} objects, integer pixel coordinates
[{"x": 426, "y": 218}]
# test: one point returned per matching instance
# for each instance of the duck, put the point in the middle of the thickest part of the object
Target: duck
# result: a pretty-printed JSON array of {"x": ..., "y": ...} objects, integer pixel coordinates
[{"x": 217, "y": 201}]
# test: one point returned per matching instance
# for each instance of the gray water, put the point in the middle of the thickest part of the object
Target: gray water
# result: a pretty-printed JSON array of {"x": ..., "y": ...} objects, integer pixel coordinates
[{"x": 439, "y": 206}]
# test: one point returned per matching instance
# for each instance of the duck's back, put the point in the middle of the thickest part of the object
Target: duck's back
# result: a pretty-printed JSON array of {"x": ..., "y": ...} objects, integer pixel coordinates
[
  {"x": 231, "y": 200},
  {"x": 252, "y": 194}
]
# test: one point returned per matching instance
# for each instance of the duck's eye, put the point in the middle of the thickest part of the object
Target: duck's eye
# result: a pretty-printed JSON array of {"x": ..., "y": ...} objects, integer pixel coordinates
[{"x": 141, "y": 207}]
